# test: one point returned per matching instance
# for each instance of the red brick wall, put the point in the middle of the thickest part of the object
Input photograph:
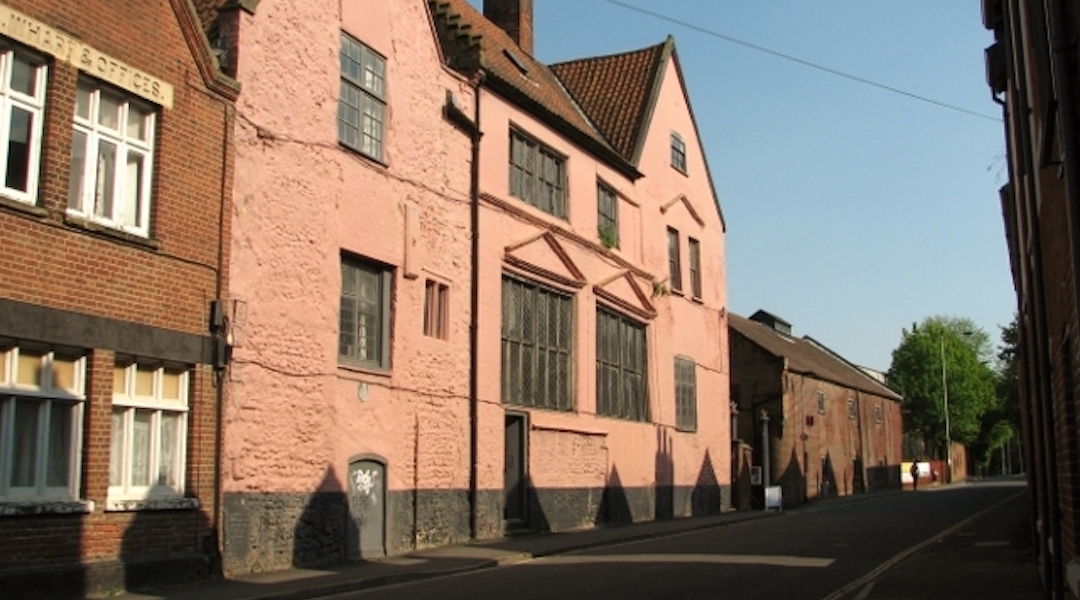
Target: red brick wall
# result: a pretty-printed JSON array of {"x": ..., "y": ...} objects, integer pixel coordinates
[{"x": 167, "y": 282}]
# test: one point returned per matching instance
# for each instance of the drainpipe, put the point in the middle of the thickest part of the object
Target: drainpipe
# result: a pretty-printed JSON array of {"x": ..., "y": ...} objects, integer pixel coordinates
[
  {"x": 474, "y": 310},
  {"x": 219, "y": 331}
]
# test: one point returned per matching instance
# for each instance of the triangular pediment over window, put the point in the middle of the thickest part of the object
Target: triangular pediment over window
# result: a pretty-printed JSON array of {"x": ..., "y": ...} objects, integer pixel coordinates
[
  {"x": 681, "y": 201},
  {"x": 626, "y": 292},
  {"x": 543, "y": 256}
]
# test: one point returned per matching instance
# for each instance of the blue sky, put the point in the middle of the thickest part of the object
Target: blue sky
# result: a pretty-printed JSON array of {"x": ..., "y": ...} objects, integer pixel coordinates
[{"x": 852, "y": 212}]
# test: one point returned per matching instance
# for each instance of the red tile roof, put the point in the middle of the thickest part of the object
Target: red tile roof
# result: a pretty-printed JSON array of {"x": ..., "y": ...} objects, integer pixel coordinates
[
  {"x": 617, "y": 92},
  {"x": 806, "y": 356},
  {"x": 513, "y": 72}
]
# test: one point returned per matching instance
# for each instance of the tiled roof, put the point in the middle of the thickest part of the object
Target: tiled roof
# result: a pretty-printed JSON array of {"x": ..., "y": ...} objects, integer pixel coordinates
[
  {"x": 808, "y": 357},
  {"x": 617, "y": 92},
  {"x": 463, "y": 30}
]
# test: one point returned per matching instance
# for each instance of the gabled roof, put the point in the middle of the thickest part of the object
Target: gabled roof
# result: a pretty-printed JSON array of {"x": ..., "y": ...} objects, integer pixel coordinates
[
  {"x": 808, "y": 357},
  {"x": 471, "y": 42},
  {"x": 618, "y": 92}
]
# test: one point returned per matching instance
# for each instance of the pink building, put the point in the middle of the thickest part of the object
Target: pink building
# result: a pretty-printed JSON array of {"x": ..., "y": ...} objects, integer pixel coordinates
[
  {"x": 602, "y": 375},
  {"x": 347, "y": 418},
  {"x": 469, "y": 291}
]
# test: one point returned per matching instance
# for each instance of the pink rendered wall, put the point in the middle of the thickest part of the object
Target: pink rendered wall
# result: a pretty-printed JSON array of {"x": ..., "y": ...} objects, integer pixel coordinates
[
  {"x": 580, "y": 449},
  {"x": 294, "y": 416}
]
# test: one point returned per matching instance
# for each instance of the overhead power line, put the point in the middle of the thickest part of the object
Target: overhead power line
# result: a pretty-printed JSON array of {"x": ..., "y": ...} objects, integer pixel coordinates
[{"x": 800, "y": 61}]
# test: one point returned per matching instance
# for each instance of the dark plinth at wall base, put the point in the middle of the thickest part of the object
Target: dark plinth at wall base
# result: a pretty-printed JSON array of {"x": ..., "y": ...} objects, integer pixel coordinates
[
  {"x": 267, "y": 532},
  {"x": 102, "y": 579}
]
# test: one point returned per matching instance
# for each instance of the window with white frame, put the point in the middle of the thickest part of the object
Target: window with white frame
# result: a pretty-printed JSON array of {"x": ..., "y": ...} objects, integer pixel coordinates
[
  {"x": 362, "y": 105},
  {"x": 22, "y": 107},
  {"x": 149, "y": 431},
  {"x": 112, "y": 156},
  {"x": 42, "y": 393}
]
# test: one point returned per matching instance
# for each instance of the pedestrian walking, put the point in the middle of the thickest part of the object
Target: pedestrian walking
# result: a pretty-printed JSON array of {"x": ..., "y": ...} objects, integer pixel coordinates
[{"x": 914, "y": 476}]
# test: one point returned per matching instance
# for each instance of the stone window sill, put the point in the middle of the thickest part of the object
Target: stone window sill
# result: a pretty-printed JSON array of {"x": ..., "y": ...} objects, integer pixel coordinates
[
  {"x": 115, "y": 505},
  {"x": 46, "y": 507},
  {"x": 106, "y": 231}
]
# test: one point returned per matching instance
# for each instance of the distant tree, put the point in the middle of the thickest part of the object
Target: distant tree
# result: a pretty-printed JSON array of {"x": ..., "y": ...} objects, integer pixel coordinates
[
  {"x": 916, "y": 372},
  {"x": 1001, "y": 422}
]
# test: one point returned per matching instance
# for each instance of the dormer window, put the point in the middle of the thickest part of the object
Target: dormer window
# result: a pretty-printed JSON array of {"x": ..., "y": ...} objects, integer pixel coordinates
[{"x": 678, "y": 152}]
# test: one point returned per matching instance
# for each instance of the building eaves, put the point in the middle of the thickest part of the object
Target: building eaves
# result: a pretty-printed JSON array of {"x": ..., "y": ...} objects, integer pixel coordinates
[
  {"x": 806, "y": 356},
  {"x": 471, "y": 42}
]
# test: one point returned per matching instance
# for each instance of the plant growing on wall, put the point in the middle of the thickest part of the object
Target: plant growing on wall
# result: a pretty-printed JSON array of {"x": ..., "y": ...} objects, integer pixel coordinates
[
  {"x": 659, "y": 289},
  {"x": 608, "y": 237}
]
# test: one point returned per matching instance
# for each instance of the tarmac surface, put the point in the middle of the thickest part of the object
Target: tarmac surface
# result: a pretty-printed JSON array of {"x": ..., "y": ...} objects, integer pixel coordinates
[{"x": 984, "y": 556}]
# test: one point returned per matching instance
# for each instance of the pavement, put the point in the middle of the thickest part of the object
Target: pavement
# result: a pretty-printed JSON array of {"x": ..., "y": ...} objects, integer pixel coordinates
[{"x": 304, "y": 584}]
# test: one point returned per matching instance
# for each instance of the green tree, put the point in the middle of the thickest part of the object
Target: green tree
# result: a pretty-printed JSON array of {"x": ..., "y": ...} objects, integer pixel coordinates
[
  {"x": 917, "y": 374},
  {"x": 1001, "y": 422}
]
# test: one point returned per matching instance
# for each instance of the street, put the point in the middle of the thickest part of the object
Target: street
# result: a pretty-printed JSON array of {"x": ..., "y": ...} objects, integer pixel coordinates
[{"x": 935, "y": 543}]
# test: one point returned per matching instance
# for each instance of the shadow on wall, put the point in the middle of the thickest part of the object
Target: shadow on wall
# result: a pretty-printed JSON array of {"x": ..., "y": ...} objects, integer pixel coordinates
[
  {"x": 68, "y": 580},
  {"x": 319, "y": 536},
  {"x": 706, "y": 498},
  {"x": 827, "y": 487},
  {"x": 883, "y": 477},
  {"x": 664, "y": 476},
  {"x": 793, "y": 481},
  {"x": 170, "y": 544},
  {"x": 614, "y": 505}
]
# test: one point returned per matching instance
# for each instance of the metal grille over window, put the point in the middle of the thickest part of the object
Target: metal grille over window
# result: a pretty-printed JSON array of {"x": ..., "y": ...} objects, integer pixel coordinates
[
  {"x": 674, "y": 260},
  {"x": 41, "y": 404},
  {"x": 821, "y": 402},
  {"x": 363, "y": 317},
  {"x": 685, "y": 394},
  {"x": 537, "y": 346},
  {"x": 362, "y": 105},
  {"x": 22, "y": 106},
  {"x": 621, "y": 385},
  {"x": 112, "y": 155},
  {"x": 537, "y": 175}
]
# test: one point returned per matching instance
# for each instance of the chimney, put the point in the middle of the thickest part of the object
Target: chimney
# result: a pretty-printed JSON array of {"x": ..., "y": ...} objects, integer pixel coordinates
[{"x": 515, "y": 17}]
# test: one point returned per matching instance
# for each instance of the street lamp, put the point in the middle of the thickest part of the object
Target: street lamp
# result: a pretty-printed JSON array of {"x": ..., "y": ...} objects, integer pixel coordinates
[{"x": 945, "y": 393}]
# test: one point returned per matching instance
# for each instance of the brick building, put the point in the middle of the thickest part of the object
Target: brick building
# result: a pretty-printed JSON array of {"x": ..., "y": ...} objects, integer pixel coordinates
[
  {"x": 832, "y": 429},
  {"x": 114, "y": 212},
  {"x": 1034, "y": 74}
]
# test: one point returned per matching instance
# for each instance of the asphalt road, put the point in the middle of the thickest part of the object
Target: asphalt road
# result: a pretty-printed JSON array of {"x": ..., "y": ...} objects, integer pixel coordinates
[{"x": 881, "y": 547}]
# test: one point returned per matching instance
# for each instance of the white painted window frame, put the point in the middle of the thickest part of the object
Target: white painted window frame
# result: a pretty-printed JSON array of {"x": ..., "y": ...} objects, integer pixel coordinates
[
  {"x": 10, "y": 100},
  {"x": 127, "y": 402},
  {"x": 84, "y": 187},
  {"x": 45, "y": 394}
]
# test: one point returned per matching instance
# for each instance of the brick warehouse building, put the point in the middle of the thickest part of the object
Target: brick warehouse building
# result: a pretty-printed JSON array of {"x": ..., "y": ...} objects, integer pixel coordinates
[
  {"x": 114, "y": 208},
  {"x": 1033, "y": 72},
  {"x": 832, "y": 429}
]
